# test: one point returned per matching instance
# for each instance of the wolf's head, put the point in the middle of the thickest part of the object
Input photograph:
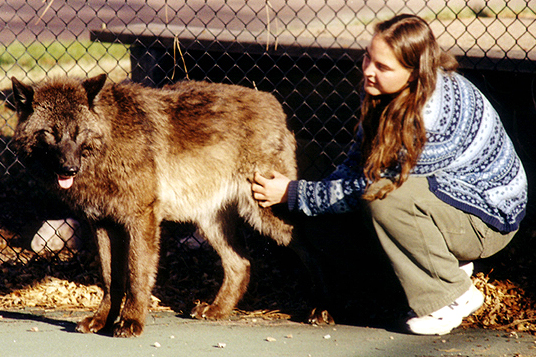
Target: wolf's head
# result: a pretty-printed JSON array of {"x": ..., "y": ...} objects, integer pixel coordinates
[{"x": 58, "y": 125}]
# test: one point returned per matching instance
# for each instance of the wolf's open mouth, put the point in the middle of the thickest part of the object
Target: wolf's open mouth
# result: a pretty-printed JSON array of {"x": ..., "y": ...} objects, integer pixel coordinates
[{"x": 65, "y": 182}]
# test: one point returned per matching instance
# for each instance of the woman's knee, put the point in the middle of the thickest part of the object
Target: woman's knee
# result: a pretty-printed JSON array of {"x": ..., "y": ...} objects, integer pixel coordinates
[{"x": 398, "y": 202}]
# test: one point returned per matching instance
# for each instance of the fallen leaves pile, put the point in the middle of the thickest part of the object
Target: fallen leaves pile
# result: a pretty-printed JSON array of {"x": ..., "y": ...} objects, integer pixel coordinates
[
  {"x": 506, "y": 306},
  {"x": 53, "y": 293}
]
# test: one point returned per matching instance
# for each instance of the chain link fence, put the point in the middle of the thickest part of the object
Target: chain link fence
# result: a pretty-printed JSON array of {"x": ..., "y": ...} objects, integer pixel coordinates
[{"x": 306, "y": 52}]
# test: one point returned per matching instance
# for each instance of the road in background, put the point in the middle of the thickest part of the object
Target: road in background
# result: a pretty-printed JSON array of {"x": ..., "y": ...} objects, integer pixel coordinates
[
  {"x": 25, "y": 20},
  {"x": 507, "y": 28}
]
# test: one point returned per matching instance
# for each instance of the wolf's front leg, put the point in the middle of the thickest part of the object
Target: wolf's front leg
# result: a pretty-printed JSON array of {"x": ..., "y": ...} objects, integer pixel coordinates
[
  {"x": 142, "y": 263},
  {"x": 112, "y": 242}
]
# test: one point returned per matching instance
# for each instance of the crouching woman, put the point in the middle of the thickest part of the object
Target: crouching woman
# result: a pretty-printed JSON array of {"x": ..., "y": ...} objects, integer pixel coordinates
[{"x": 433, "y": 168}]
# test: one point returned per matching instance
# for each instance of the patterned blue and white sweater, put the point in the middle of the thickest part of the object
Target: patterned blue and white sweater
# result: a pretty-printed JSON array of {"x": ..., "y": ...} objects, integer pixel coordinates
[{"x": 468, "y": 159}]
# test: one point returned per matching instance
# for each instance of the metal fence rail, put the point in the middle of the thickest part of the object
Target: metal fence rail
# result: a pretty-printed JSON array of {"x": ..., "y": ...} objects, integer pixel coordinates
[{"x": 304, "y": 51}]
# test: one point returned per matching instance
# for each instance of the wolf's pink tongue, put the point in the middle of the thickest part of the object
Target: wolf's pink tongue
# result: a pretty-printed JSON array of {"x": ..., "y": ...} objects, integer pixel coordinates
[{"x": 65, "y": 182}]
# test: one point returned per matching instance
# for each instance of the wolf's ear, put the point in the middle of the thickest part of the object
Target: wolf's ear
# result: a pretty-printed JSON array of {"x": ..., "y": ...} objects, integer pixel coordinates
[
  {"x": 93, "y": 86},
  {"x": 22, "y": 94}
]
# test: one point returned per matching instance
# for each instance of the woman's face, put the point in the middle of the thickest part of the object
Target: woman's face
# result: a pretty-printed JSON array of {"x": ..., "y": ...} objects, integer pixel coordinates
[{"x": 383, "y": 73}]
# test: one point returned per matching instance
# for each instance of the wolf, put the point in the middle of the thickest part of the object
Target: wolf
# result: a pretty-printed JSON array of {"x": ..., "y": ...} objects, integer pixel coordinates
[{"x": 128, "y": 157}]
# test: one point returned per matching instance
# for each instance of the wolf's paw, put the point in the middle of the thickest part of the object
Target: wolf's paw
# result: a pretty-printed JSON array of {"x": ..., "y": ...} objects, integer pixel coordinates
[
  {"x": 320, "y": 317},
  {"x": 90, "y": 324},
  {"x": 204, "y": 311},
  {"x": 128, "y": 328}
]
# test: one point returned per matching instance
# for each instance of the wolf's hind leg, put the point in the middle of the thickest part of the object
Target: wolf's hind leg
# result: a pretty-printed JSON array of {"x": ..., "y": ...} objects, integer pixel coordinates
[{"x": 220, "y": 233}]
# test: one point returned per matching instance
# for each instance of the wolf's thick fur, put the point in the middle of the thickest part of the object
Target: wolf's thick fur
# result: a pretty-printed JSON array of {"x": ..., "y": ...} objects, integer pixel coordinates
[{"x": 129, "y": 157}]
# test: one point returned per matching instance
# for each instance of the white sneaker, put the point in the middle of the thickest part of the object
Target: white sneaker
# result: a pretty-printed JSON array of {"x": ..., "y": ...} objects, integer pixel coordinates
[
  {"x": 442, "y": 321},
  {"x": 467, "y": 268}
]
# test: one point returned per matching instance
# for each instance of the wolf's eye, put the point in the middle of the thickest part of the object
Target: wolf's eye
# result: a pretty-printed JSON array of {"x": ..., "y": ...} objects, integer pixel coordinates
[
  {"x": 46, "y": 136},
  {"x": 85, "y": 151}
]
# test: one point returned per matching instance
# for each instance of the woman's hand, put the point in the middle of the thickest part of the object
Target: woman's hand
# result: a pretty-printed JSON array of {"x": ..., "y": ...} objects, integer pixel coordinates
[{"x": 270, "y": 191}]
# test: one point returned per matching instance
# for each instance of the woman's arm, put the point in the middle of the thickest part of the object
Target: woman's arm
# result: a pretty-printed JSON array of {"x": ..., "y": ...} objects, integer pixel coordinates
[
  {"x": 338, "y": 193},
  {"x": 330, "y": 196}
]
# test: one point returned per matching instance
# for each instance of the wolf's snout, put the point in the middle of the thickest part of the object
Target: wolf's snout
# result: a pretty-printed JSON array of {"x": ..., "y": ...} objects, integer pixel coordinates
[{"x": 68, "y": 158}]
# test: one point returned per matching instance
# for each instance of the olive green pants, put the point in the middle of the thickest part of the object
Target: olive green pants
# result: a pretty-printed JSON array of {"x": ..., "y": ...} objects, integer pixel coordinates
[{"x": 425, "y": 240}]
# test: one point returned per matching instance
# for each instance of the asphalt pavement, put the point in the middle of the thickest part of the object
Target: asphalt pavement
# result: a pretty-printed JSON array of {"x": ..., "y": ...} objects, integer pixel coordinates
[{"x": 52, "y": 333}]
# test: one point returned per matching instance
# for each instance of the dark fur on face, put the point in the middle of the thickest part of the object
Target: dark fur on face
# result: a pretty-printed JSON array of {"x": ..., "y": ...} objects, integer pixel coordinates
[{"x": 129, "y": 157}]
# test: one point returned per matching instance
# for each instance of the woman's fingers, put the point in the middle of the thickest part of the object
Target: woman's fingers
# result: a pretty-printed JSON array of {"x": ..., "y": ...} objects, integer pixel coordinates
[
  {"x": 270, "y": 191},
  {"x": 258, "y": 185}
]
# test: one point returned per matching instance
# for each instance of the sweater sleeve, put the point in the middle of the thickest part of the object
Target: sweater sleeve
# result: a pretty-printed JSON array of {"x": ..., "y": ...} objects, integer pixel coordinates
[{"x": 340, "y": 192}]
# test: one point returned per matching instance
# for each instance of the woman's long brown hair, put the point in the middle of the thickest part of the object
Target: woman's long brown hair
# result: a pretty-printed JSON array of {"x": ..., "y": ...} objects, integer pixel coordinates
[{"x": 394, "y": 133}]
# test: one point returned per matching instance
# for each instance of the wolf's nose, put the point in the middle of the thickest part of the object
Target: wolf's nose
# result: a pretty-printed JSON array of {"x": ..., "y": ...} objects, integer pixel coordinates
[{"x": 69, "y": 171}]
